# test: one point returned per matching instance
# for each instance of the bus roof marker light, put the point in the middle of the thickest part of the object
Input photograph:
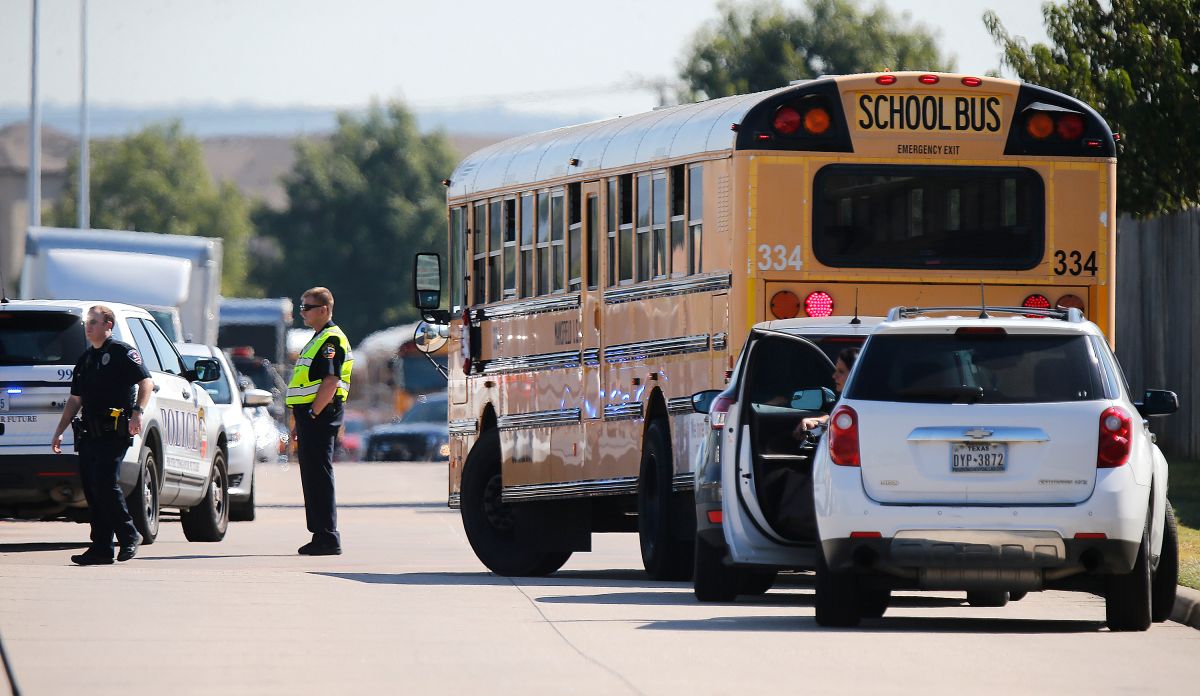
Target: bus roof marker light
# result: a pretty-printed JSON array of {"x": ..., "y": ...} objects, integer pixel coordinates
[
  {"x": 928, "y": 79},
  {"x": 972, "y": 81},
  {"x": 818, "y": 304},
  {"x": 887, "y": 79}
]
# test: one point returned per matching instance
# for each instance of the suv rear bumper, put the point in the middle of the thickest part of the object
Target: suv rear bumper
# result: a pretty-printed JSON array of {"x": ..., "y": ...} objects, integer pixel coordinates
[{"x": 37, "y": 482}]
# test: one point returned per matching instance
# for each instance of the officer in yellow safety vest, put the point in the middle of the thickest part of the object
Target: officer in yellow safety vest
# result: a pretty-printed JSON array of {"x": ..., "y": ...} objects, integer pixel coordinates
[{"x": 316, "y": 395}]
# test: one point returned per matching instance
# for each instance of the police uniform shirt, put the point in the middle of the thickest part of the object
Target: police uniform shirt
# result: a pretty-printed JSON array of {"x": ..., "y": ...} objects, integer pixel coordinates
[
  {"x": 105, "y": 378},
  {"x": 328, "y": 360}
]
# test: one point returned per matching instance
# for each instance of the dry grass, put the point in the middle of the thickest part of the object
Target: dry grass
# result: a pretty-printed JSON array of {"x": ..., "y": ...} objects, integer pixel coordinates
[{"x": 1184, "y": 492}]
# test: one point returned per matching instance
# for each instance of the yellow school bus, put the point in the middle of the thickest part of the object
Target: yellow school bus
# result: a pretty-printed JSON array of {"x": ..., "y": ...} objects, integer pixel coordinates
[{"x": 601, "y": 274}]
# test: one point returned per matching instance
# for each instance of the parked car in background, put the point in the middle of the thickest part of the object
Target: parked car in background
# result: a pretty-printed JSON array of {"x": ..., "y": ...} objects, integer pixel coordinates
[
  {"x": 265, "y": 375},
  {"x": 242, "y": 439},
  {"x": 350, "y": 440},
  {"x": 753, "y": 474},
  {"x": 421, "y": 434}
]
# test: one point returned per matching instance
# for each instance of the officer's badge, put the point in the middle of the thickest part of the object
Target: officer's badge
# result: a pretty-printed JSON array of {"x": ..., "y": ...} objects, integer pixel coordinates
[
  {"x": 105, "y": 358},
  {"x": 330, "y": 351},
  {"x": 133, "y": 355}
]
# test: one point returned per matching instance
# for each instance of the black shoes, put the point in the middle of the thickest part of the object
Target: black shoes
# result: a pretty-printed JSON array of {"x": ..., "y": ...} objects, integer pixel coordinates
[
  {"x": 91, "y": 557},
  {"x": 312, "y": 548},
  {"x": 129, "y": 550}
]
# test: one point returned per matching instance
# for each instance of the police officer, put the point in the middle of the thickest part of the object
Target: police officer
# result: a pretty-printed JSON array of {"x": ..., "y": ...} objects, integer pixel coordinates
[
  {"x": 316, "y": 395},
  {"x": 103, "y": 385}
]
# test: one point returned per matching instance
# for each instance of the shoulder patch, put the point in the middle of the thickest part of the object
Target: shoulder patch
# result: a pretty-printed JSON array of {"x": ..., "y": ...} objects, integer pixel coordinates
[
  {"x": 134, "y": 356},
  {"x": 330, "y": 351}
]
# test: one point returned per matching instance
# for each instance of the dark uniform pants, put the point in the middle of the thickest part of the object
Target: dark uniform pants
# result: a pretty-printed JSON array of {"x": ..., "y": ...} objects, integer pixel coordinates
[
  {"x": 317, "y": 438},
  {"x": 99, "y": 467}
]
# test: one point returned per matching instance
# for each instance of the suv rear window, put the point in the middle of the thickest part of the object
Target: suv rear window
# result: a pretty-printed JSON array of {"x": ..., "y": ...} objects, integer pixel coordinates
[
  {"x": 989, "y": 369},
  {"x": 41, "y": 338}
]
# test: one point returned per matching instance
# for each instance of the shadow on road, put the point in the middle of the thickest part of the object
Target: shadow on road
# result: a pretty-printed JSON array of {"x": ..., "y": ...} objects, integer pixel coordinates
[
  {"x": 198, "y": 556},
  {"x": 572, "y": 578},
  {"x": 792, "y": 624},
  {"x": 771, "y": 599},
  {"x": 41, "y": 546},
  {"x": 361, "y": 506}
]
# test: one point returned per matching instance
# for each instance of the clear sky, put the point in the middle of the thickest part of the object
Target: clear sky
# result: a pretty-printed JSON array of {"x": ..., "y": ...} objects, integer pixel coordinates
[{"x": 537, "y": 55}]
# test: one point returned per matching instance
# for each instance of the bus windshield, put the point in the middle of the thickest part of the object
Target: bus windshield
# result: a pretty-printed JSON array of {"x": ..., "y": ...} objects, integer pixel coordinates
[{"x": 906, "y": 216}]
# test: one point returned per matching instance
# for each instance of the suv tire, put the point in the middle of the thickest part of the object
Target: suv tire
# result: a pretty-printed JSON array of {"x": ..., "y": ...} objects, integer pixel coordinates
[
  {"x": 1166, "y": 575},
  {"x": 143, "y": 500},
  {"x": 987, "y": 598},
  {"x": 490, "y": 524},
  {"x": 1127, "y": 598},
  {"x": 713, "y": 581},
  {"x": 838, "y": 603},
  {"x": 209, "y": 519},
  {"x": 663, "y": 555}
]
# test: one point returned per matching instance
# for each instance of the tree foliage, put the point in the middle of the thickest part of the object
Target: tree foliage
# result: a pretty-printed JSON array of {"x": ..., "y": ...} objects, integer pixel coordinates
[
  {"x": 156, "y": 181},
  {"x": 763, "y": 45},
  {"x": 360, "y": 205},
  {"x": 1137, "y": 62}
]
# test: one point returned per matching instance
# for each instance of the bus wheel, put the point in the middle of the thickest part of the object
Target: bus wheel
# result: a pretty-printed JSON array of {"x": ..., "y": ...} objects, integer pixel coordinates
[
  {"x": 664, "y": 556},
  {"x": 491, "y": 524}
]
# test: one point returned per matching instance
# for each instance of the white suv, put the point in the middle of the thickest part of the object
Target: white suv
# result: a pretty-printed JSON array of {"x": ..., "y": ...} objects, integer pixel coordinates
[
  {"x": 998, "y": 453},
  {"x": 179, "y": 459}
]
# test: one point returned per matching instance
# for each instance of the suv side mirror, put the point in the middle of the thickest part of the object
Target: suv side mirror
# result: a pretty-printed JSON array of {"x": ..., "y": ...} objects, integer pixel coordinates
[
  {"x": 813, "y": 399},
  {"x": 1158, "y": 402},
  {"x": 206, "y": 370},
  {"x": 702, "y": 401}
]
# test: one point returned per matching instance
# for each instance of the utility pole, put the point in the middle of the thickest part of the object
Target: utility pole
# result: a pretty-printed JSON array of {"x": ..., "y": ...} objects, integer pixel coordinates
[
  {"x": 35, "y": 130},
  {"x": 84, "y": 206}
]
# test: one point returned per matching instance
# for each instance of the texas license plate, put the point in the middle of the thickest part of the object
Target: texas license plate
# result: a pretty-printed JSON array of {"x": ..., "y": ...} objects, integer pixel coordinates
[
  {"x": 978, "y": 456},
  {"x": 3, "y": 402}
]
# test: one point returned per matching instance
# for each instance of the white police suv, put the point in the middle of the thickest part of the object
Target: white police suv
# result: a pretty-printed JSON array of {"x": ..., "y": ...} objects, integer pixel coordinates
[
  {"x": 178, "y": 461},
  {"x": 998, "y": 453}
]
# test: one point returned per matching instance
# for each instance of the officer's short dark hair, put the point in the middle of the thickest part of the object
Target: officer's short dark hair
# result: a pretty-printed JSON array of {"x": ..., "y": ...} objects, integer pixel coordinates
[
  {"x": 104, "y": 312},
  {"x": 320, "y": 295}
]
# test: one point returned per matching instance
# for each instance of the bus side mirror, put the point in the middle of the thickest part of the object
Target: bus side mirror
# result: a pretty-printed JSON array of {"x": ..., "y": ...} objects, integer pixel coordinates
[{"x": 427, "y": 282}]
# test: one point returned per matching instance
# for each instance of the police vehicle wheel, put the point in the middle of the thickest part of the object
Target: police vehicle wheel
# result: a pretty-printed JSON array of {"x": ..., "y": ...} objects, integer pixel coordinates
[
  {"x": 143, "y": 500},
  {"x": 664, "y": 556},
  {"x": 491, "y": 524},
  {"x": 1166, "y": 575},
  {"x": 209, "y": 519},
  {"x": 243, "y": 511},
  {"x": 1127, "y": 599}
]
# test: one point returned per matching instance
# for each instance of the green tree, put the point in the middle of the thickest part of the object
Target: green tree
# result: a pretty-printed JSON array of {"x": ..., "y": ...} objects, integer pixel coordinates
[
  {"x": 360, "y": 205},
  {"x": 156, "y": 181},
  {"x": 1137, "y": 62},
  {"x": 763, "y": 45}
]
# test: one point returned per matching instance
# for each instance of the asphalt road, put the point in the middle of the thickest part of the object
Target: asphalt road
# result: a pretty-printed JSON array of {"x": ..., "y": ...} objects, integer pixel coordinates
[{"x": 408, "y": 609}]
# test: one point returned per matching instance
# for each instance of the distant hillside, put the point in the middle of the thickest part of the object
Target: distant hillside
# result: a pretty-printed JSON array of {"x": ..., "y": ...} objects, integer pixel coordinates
[{"x": 209, "y": 121}]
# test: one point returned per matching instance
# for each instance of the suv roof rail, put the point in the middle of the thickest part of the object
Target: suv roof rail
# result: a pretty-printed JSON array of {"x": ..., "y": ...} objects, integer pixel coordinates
[{"x": 1070, "y": 314}]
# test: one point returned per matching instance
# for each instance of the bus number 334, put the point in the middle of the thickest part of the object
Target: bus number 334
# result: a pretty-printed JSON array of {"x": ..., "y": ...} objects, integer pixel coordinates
[{"x": 778, "y": 258}]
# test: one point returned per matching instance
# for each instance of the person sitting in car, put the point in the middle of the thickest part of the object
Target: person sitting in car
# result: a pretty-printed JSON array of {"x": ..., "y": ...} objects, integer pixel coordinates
[{"x": 841, "y": 370}]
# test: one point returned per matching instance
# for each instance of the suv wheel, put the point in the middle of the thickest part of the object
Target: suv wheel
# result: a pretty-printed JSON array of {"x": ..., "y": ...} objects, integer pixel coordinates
[
  {"x": 713, "y": 581},
  {"x": 209, "y": 519},
  {"x": 987, "y": 598},
  {"x": 143, "y": 500},
  {"x": 1166, "y": 575},
  {"x": 1127, "y": 598},
  {"x": 837, "y": 602}
]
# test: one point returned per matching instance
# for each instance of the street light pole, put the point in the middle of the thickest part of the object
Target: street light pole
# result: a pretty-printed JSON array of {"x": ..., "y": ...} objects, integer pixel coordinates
[
  {"x": 84, "y": 171},
  {"x": 35, "y": 130}
]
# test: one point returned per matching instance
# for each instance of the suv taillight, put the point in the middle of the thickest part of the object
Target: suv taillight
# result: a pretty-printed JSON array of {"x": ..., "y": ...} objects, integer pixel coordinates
[
  {"x": 1115, "y": 429},
  {"x": 843, "y": 436},
  {"x": 719, "y": 411}
]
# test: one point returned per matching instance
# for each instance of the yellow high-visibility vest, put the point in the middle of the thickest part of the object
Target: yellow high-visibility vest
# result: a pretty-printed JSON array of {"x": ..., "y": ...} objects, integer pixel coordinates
[{"x": 303, "y": 389}]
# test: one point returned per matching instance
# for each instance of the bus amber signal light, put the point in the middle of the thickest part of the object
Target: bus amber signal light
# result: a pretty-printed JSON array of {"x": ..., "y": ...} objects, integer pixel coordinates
[
  {"x": 816, "y": 120},
  {"x": 1039, "y": 125},
  {"x": 787, "y": 120},
  {"x": 818, "y": 304},
  {"x": 1070, "y": 301},
  {"x": 785, "y": 304},
  {"x": 928, "y": 79}
]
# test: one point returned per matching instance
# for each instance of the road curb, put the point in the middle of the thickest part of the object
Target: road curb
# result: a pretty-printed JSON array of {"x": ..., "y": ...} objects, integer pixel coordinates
[{"x": 1187, "y": 607}]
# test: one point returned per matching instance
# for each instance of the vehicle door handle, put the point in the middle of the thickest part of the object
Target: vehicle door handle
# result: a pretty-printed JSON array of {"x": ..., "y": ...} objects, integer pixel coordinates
[
  {"x": 156, "y": 389},
  {"x": 187, "y": 394}
]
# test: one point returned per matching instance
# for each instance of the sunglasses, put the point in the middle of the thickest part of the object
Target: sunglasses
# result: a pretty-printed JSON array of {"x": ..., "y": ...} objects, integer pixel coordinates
[{"x": 306, "y": 307}]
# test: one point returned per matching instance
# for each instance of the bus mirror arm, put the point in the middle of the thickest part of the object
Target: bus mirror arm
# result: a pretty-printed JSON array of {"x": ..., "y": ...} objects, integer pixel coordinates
[
  {"x": 430, "y": 336},
  {"x": 436, "y": 316}
]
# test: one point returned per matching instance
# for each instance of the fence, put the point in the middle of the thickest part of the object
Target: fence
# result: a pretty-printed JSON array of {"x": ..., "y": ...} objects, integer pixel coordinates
[{"x": 1158, "y": 319}]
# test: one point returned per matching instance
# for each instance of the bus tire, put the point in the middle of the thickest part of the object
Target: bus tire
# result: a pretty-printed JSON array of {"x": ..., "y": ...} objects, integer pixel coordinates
[
  {"x": 664, "y": 556},
  {"x": 491, "y": 525}
]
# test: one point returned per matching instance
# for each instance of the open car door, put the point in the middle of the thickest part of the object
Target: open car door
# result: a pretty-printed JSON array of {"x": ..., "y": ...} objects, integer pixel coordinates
[{"x": 767, "y": 500}]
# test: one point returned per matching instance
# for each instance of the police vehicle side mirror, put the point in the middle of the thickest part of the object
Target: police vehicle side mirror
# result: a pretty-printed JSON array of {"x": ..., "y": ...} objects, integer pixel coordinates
[
  {"x": 702, "y": 401},
  {"x": 1158, "y": 402},
  {"x": 257, "y": 397},
  {"x": 206, "y": 370}
]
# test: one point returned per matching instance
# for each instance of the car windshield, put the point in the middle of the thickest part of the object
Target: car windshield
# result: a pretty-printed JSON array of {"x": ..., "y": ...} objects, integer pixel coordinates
[
  {"x": 431, "y": 411},
  {"x": 990, "y": 368},
  {"x": 40, "y": 338},
  {"x": 217, "y": 389}
]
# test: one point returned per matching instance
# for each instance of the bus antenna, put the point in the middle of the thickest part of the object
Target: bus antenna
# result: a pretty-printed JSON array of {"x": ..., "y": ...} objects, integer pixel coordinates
[
  {"x": 3, "y": 287},
  {"x": 982, "y": 303},
  {"x": 855, "y": 320}
]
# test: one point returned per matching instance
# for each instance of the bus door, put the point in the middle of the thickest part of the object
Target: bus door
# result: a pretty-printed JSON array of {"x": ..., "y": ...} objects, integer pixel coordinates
[{"x": 591, "y": 305}]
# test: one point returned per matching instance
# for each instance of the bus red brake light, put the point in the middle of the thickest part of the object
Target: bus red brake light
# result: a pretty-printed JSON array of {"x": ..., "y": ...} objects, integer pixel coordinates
[
  {"x": 1036, "y": 301},
  {"x": 843, "y": 437},
  {"x": 785, "y": 304},
  {"x": 816, "y": 120},
  {"x": 1069, "y": 126},
  {"x": 1039, "y": 125},
  {"x": 719, "y": 411},
  {"x": 787, "y": 120},
  {"x": 818, "y": 304},
  {"x": 1114, "y": 445},
  {"x": 928, "y": 79}
]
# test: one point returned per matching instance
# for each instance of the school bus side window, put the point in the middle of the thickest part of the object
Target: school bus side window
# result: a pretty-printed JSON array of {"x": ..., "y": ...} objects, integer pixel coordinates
[
  {"x": 625, "y": 235},
  {"x": 695, "y": 205},
  {"x": 479, "y": 249},
  {"x": 543, "y": 243},
  {"x": 574, "y": 237},
  {"x": 510, "y": 247},
  {"x": 495, "y": 247},
  {"x": 458, "y": 257},
  {"x": 658, "y": 224},
  {"x": 527, "y": 223},
  {"x": 558, "y": 241},
  {"x": 610, "y": 227},
  {"x": 643, "y": 227},
  {"x": 678, "y": 252}
]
